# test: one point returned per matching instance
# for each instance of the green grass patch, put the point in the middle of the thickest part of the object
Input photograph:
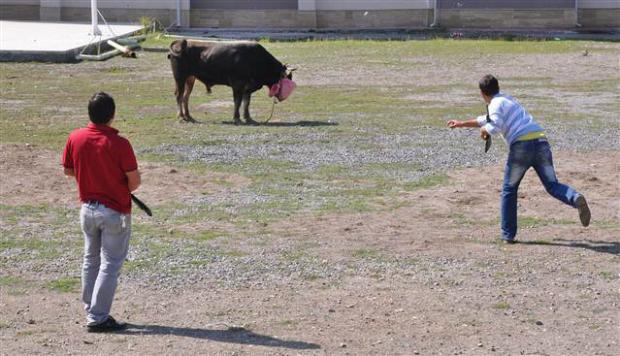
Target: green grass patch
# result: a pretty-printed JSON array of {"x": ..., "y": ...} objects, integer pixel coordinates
[
  {"x": 365, "y": 253},
  {"x": 534, "y": 222},
  {"x": 427, "y": 182},
  {"x": 64, "y": 285},
  {"x": 501, "y": 305},
  {"x": 608, "y": 275}
]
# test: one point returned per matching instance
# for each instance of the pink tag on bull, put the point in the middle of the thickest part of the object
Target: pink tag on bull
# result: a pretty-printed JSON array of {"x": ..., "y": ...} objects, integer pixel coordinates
[{"x": 282, "y": 89}]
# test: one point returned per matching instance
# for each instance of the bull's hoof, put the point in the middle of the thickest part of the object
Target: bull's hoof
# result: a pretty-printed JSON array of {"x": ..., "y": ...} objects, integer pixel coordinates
[
  {"x": 188, "y": 119},
  {"x": 249, "y": 121},
  {"x": 237, "y": 122}
]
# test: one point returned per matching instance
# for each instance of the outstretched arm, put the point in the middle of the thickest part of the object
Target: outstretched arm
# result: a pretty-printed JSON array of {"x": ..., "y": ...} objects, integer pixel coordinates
[{"x": 468, "y": 123}]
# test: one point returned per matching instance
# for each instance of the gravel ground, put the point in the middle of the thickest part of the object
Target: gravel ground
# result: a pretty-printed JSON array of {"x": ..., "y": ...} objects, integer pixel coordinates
[{"x": 420, "y": 272}]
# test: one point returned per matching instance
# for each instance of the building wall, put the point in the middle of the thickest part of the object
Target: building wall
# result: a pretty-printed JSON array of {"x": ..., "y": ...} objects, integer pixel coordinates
[
  {"x": 20, "y": 12},
  {"x": 506, "y": 4},
  {"x": 244, "y": 4},
  {"x": 281, "y": 18},
  {"x": 406, "y": 18},
  {"x": 508, "y": 18},
  {"x": 81, "y": 14},
  {"x": 368, "y": 5},
  {"x": 330, "y": 13}
]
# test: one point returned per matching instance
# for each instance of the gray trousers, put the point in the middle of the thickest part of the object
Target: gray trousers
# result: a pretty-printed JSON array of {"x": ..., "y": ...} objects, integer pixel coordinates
[{"x": 106, "y": 241}]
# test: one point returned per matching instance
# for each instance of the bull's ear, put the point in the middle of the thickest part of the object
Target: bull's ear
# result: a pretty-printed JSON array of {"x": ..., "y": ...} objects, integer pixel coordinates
[
  {"x": 177, "y": 47},
  {"x": 169, "y": 55}
]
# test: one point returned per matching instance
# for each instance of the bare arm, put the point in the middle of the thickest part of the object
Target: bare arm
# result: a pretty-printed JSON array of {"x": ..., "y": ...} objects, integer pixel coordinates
[
  {"x": 468, "y": 123},
  {"x": 69, "y": 172},
  {"x": 133, "y": 180}
]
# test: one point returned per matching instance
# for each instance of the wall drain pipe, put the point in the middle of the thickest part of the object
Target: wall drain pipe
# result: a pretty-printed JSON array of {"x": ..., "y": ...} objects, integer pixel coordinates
[
  {"x": 577, "y": 24},
  {"x": 435, "y": 14}
]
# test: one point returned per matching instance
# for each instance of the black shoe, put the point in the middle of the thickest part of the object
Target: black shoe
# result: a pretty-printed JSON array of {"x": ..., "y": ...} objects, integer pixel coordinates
[
  {"x": 584, "y": 210},
  {"x": 109, "y": 325},
  {"x": 509, "y": 242}
]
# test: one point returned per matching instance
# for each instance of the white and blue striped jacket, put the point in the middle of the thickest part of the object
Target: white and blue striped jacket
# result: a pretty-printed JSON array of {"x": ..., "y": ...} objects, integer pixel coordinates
[{"x": 508, "y": 118}]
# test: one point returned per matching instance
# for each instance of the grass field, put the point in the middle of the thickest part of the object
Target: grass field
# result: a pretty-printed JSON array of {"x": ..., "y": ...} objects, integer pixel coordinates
[{"x": 363, "y": 135}]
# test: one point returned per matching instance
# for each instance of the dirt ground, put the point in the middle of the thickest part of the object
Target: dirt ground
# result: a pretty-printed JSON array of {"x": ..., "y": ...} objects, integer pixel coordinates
[{"x": 433, "y": 279}]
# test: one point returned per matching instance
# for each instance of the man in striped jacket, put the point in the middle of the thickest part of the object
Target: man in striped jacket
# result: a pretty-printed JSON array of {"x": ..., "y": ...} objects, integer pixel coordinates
[{"x": 528, "y": 148}]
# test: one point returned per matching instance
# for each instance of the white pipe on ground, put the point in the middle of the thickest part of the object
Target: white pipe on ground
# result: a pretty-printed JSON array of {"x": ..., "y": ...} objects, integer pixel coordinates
[
  {"x": 127, "y": 52},
  {"x": 109, "y": 54},
  {"x": 94, "y": 19}
]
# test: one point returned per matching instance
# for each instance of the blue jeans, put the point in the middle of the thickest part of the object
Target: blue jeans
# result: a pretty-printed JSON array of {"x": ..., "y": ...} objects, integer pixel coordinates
[
  {"x": 106, "y": 241},
  {"x": 522, "y": 156}
]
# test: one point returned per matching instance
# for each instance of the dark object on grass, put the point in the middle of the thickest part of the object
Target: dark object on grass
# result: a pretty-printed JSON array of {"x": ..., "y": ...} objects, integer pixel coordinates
[
  {"x": 141, "y": 205},
  {"x": 487, "y": 141},
  {"x": 109, "y": 325}
]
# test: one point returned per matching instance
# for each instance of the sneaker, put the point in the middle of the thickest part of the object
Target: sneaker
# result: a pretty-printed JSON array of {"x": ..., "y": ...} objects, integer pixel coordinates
[
  {"x": 584, "y": 210},
  {"x": 509, "y": 241},
  {"x": 109, "y": 325}
]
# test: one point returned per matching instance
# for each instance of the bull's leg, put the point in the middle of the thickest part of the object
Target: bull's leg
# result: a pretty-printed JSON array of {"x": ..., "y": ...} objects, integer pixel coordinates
[
  {"x": 238, "y": 96},
  {"x": 247, "y": 96},
  {"x": 178, "y": 91},
  {"x": 189, "y": 85}
]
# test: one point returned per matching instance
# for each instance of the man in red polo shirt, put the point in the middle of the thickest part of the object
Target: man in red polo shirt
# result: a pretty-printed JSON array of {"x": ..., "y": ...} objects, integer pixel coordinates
[{"x": 105, "y": 168}]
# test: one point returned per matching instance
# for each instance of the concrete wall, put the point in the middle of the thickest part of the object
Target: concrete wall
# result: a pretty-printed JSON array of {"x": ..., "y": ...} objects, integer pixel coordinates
[
  {"x": 597, "y": 18},
  {"x": 244, "y": 4},
  {"x": 367, "y": 5},
  {"x": 252, "y": 18},
  {"x": 81, "y": 14},
  {"x": 505, "y": 18},
  {"x": 599, "y": 13},
  {"x": 405, "y": 18},
  {"x": 20, "y": 12},
  {"x": 330, "y": 13},
  {"x": 79, "y": 10}
]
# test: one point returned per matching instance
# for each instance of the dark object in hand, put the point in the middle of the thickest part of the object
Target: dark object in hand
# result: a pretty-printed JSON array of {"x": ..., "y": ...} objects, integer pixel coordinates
[{"x": 141, "y": 205}]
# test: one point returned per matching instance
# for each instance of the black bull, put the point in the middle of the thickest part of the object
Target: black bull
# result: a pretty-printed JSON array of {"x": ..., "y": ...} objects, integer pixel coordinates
[{"x": 243, "y": 66}]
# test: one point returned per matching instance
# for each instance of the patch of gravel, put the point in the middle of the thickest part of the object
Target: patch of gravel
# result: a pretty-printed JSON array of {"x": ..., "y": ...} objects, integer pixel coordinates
[
  {"x": 432, "y": 149},
  {"x": 269, "y": 267}
]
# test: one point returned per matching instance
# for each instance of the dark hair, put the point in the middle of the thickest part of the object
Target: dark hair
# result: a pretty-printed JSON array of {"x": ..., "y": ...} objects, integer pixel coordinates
[
  {"x": 101, "y": 108},
  {"x": 489, "y": 85}
]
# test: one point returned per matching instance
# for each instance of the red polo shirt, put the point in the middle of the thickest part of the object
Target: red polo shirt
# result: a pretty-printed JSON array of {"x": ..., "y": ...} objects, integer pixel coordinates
[{"x": 100, "y": 159}]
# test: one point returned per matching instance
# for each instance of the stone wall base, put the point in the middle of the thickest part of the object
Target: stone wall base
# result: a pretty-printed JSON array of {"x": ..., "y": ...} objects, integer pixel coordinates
[
  {"x": 501, "y": 18},
  {"x": 418, "y": 18},
  {"x": 252, "y": 18},
  {"x": 599, "y": 18}
]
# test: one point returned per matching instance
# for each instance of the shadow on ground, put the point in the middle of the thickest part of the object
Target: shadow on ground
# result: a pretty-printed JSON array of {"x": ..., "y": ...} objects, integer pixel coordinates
[
  {"x": 234, "y": 335},
  {"x": 596, "y": 246},
  {"x": 303, "y": 123}
]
